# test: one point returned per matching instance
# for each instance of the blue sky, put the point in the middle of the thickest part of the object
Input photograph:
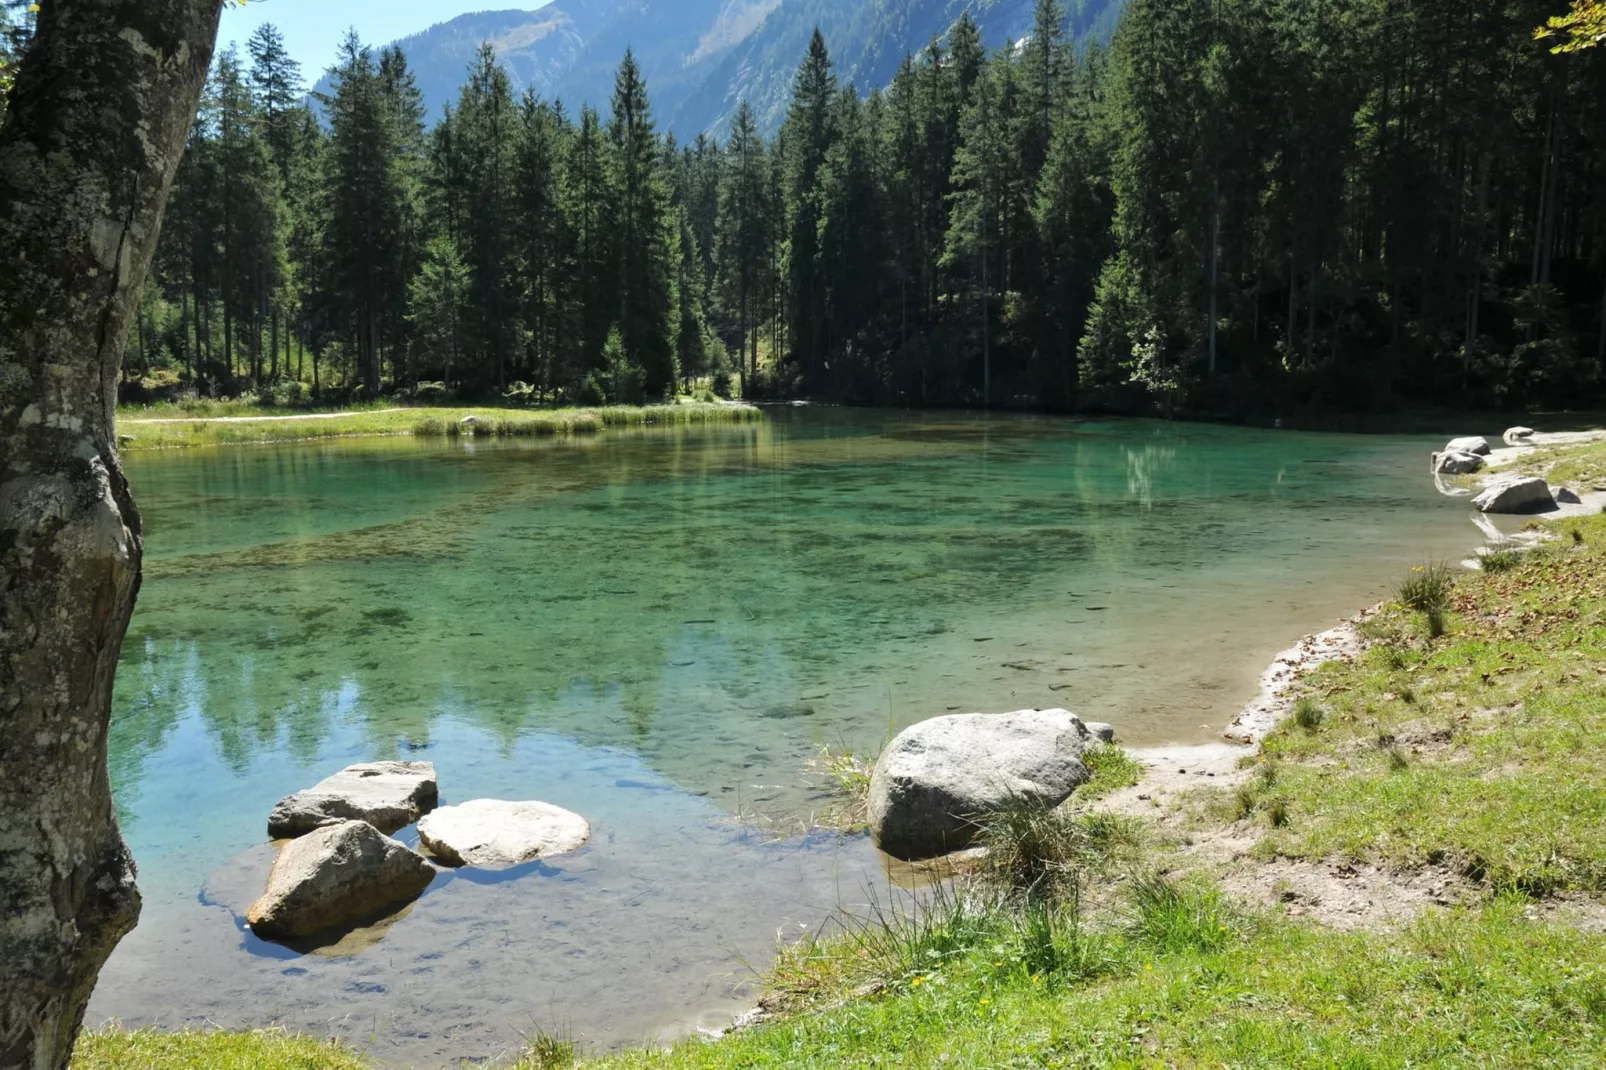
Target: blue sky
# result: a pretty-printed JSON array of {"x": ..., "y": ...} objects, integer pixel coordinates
[{"x": 313, "y": 28}]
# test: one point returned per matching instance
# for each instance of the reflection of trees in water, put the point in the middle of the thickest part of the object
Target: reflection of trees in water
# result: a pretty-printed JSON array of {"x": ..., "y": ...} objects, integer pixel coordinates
[
  {"x": 1144, "y": 466},
  {"x": 563, "y": 599}
]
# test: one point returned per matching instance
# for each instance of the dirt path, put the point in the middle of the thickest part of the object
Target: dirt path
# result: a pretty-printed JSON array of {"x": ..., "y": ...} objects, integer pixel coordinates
[{"x": 256, "y": 419}]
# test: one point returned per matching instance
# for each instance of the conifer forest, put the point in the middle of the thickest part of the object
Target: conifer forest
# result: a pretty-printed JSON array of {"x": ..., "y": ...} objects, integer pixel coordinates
[{"x": 1233, "y": 205}]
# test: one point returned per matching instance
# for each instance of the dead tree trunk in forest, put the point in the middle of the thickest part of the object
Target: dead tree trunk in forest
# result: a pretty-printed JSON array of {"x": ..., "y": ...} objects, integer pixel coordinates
[{"x": 99, "y": 111}]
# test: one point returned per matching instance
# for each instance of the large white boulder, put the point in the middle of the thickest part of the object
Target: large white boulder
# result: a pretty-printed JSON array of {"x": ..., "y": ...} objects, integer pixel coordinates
[
  {"x": 1518, "y": 494},
  {"x": 334, "y": 876},
  {"x": 1469, "y": 444},
  {"x": 490, "y": 832},
  {"x": 936, "y": 778},
  {"x": 387, "y": 795},
  {"x": 1455, "y": 463}
]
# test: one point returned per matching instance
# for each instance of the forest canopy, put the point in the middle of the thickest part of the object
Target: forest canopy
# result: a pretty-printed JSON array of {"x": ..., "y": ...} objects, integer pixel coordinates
[{"x": 1235, "y": 206}]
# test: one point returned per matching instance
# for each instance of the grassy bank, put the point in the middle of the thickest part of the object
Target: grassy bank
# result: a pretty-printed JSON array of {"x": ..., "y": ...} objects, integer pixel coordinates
[
  {"x": 1466, "y": 746},
  {"x": 170, "y": 426}
]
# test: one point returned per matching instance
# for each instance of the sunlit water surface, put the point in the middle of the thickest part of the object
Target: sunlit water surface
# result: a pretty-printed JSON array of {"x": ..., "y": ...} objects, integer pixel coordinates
[{"x": 659, "y": 629}]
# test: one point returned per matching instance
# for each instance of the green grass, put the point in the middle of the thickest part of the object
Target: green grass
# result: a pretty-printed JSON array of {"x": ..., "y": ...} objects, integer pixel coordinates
[
  {"x": 1581, "y": 467},
  {"x": 1483, "y": 750},
  {"x": 1500, "y": 560},
  {"x": 1186, "y": 983},
  {"x": 1111, "y": 769},
  {"x": 1180, "y": 981},
  {"x": 137, "y": 431},
  {"x": 150, "y": 1049}
]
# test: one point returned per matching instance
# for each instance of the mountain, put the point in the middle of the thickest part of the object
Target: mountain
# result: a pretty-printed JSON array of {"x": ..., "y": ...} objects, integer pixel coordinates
[
  {"x": 868, "y": 39},
  {"x": 701, "y": 56}
]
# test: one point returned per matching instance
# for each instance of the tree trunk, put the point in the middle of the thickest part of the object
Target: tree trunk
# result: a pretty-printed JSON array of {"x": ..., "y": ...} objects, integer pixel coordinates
[{"x": 98, "y": 116}]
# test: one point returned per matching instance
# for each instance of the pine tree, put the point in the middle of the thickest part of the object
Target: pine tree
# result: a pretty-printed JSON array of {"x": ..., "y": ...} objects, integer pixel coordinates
[
  {"x": 744, "y": 235},
  {"x": 366, "y": 210},
  {"x": 544, "y": 256},
  {"x": 646, "y": 245},
  {"x": 809, "y": 134}
]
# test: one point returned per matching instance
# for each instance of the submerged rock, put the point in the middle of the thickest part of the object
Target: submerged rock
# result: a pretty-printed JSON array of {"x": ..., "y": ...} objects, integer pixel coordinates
[
  {"x": 334, "y": 876},
  {"x": 1518, "y": 494},
  {"x": 490, "y": 832},
  {"x": 1455, "y": 463},
  {"x": 1470, "y": 444},
  {"x": 937, "y": 777},
  {"x": 387, "y": 795},
  {"x": 1518, "y": 436}
]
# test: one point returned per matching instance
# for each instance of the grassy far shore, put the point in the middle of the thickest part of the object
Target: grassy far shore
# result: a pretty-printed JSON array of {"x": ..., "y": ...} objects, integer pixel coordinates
[
  {"x": 170, "y": 426},
  {"x": 1466, "y": 744}
]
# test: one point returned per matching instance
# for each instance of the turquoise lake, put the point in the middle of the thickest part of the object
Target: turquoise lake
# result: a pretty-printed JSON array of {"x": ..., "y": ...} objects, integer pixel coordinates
[{"x": 660, "y": 629}]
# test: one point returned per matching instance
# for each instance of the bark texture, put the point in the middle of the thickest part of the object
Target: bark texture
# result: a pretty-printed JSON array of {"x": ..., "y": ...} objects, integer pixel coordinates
[{"x": 98, "y": 114}]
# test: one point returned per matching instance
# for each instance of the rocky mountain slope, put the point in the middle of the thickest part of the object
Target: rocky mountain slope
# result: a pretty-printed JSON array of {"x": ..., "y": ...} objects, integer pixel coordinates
[{"x": 702, "y": 56}]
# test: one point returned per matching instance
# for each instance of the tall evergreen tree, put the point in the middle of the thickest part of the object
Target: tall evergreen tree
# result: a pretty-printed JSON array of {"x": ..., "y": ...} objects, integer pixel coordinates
[
  {"x": 647, "y": 239},
  {"x": 809, "y": 134}
]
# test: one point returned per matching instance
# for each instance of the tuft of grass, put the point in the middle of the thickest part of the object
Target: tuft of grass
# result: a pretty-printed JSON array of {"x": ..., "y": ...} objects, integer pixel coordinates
[
  {"x": 1039, "y": 852},
  {"x": 549, "y": 1051},
  {"x": 1309, "y": 714},
  {"x": 1174, "y": 917},
  {"x": 850, "y": 775},
  {"x": 1500, "y": 560},
  {"x": 1111, "y": 769},
  {"x": 1426, "y": 588}
]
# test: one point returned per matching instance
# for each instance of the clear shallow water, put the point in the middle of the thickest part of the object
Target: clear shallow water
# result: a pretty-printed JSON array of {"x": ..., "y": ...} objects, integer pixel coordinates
[{"x": 658, "y": 629}]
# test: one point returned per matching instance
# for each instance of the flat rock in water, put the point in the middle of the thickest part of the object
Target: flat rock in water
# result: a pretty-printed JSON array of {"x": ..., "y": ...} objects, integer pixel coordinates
[
  {"x": 1518, "y": 436},
  {"x": 1516, "y": 495},
  {"x": 387, "y": 795},
  {"x": 490, "y": 832},
  {"x": 937, "y": 777},
  {"x": 1451, "y": 463},
  {"x": 1470, "y": 444},
  {"x": 334, "y": 876}
]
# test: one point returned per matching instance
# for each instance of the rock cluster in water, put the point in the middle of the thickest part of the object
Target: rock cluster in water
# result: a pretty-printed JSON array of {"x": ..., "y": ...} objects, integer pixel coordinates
[
  {"x": 341, "y": 868},
  {"x": 1508, "y": 494},
  {"x": 937, "y": 779}
]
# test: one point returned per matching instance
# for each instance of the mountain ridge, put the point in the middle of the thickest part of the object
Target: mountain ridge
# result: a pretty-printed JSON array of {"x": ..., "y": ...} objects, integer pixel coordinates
[{"x": 700, "y": 57}]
